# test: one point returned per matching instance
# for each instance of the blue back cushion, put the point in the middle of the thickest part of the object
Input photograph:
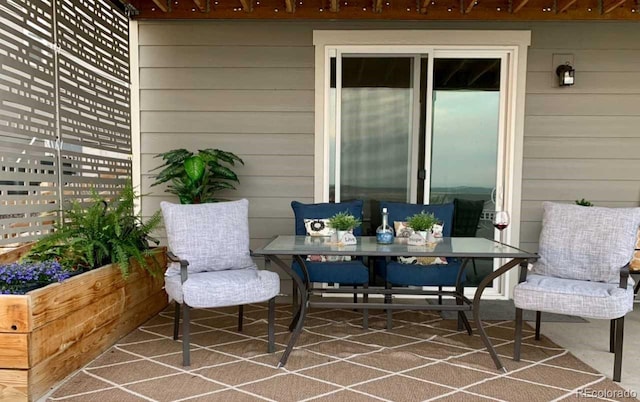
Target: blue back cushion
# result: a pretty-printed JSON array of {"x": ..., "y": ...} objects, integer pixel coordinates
[
  {"x": 323, "y": 211},
  {"x": 399, "y": 211}
]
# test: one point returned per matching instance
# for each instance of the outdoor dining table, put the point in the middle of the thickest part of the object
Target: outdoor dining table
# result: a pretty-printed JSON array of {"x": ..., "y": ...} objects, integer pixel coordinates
[{"x": 465, "y": 248}]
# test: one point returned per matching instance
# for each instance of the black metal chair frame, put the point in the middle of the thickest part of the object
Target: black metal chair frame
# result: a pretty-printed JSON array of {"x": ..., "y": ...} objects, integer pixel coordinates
[
  {"x": 616, "y": 328},
  {"x": 186, "y": 350}
]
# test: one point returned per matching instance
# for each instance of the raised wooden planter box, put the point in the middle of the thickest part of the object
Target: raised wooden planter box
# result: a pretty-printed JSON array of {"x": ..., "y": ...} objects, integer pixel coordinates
[{"x": 50, "y": 332}]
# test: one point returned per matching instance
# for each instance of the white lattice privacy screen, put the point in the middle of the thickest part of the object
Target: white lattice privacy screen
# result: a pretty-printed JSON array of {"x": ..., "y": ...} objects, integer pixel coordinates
[{"x": 64, "y": 109}]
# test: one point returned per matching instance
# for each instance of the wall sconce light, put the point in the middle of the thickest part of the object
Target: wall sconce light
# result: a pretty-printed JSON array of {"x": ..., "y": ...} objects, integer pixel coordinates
[{"x": 566, "y": 75}]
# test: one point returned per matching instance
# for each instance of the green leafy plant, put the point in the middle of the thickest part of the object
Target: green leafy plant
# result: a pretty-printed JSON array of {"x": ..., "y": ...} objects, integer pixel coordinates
[
  {"x": 422, "y": 221},
  {"x": 99, "y": 234},
  {"x": 584, "y": 203},
  {"x": 344, "y": 221},
  {"x": 197, "y": 178}
]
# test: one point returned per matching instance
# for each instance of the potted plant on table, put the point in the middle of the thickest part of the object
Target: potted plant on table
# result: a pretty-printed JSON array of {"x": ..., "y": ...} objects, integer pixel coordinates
[
  {"x": 343, "y": 222},
  {"x": 195, "y": 178},
  {"x": 421, "y": 223}
]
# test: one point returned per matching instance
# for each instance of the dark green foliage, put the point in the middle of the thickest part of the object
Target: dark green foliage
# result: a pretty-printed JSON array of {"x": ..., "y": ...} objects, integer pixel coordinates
[
  {"x": 344, "y": 221},
  {"x": 196, "y": 178},
  {"x": 100, "y": 234},
  {"x": 584, "y": 203},
  {"x": 422, "y": 221}
]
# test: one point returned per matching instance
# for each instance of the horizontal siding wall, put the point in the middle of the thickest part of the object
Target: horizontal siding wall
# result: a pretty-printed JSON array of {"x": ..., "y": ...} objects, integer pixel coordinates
[
  {"x": 248, "y": 88},
  {"x": 581, "y": 141}
]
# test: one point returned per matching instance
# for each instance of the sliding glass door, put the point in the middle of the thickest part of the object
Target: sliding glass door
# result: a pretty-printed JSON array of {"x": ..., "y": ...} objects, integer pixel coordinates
[{"x": 422, "y": 128}]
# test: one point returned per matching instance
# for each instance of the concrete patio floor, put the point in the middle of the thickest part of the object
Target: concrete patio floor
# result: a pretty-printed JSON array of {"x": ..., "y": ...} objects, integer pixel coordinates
[{"x": 589, "y": 342}]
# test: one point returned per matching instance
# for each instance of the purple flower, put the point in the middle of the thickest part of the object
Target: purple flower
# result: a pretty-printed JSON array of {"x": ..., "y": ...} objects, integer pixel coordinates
[{"x": 19, "y": 278}]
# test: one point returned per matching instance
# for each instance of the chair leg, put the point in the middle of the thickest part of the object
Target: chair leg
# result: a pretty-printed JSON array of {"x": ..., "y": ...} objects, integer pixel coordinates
[
  {"x": 240, "y": 316},
  {"x": 271, "y": 325},
  {"x": 186, "y": 353},
  {"x": 612, "y": 336},
  {"x": 518, "y": 335},
  {"x": 475, "y": 270},
  {"x": 439, "y": 295},
  {"x": 365, "y": 310},
  {"x": 388, "y": 300},
  {"x": 176, "y": 321},
  {"x": 617, "y": 357},
  {"x": 538, "y": 317}
]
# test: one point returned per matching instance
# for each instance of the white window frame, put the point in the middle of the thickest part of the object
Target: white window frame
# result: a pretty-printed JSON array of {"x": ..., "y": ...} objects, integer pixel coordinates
[{"x": 515, "y": 43}]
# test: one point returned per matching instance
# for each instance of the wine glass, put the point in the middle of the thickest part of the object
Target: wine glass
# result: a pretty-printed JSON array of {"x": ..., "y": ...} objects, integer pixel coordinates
[{"x": 501, "y": 220}]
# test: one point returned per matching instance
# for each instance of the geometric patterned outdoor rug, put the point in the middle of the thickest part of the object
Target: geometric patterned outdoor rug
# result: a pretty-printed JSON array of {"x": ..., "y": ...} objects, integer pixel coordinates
[{"x": 423, "y": 358}]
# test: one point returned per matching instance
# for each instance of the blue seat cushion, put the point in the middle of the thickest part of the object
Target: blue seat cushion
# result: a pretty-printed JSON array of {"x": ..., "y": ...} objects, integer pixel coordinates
[
  {"x": 420, "y": 275},
  {"x": 346, "y": 272}
]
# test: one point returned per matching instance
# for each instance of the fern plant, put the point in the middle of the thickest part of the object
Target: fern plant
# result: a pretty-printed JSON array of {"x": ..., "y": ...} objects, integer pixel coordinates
[
  {"x": 197, "y": 178},
  {"x": 100, "y": 234}
]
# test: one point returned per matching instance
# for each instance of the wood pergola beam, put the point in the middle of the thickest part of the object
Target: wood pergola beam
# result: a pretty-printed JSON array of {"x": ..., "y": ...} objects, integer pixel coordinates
[
  {"x": 335, "y": 6},
  {"x": 377, "y": 6},
  {"x": 609, "y": 6},
  {"x": 563, "y": 5},
  {"x": 247, "y": 5},
  {"x": 424, "y": 5},
  {"x": 162, "y": 5},
  {"x": 517, "y": 5},
  {"x": 466, "y": 8},
  {"x": 290, "y": 6},
  {"x": 201, "y": 5}
]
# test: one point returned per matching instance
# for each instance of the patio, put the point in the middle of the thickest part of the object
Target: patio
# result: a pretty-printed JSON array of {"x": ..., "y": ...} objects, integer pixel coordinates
[
  {"x": 423, "y": 358},
  {"x": 91, "y": 113}
]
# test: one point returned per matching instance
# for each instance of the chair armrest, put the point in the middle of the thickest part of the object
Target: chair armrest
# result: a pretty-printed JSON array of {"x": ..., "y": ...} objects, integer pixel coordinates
[
  {"x": 183, "y": 265},
  {"x": 624, "y": 276}
]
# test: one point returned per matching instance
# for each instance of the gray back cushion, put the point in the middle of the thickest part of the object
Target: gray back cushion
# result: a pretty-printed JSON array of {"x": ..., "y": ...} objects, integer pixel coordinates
[
  {"x": 586, "y": 243},
  {"x": 212, "y": 237}
]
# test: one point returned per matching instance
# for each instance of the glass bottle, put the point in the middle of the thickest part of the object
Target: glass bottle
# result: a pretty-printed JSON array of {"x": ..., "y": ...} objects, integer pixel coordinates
[{"x": 384, "y": 233}]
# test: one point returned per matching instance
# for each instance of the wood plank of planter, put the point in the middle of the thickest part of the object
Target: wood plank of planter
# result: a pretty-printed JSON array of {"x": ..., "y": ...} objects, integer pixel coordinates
[
  {"x": 13, "y": 385},
  {"x": 15, "y": 254},
  {"x": 14, "y": 314},
  {"x": 48, "y": 304},
  {"x": 14, "y": 351},
  {"x": 57, "y": 335},
  {"x": 54, "y": 369},
  {"x": 74, "y": 321}
]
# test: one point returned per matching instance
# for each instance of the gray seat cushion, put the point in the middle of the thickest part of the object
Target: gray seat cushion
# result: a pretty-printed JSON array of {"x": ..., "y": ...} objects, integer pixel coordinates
[
  {"x": 587, "y": 299},
  {"x": 212, "y": 237},
  {"x": 223, "y": 288},
  {"x": 586, "y": 243}
]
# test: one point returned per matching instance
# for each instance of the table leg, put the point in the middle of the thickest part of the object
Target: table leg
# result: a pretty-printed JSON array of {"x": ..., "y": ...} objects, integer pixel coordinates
[
  {"x": 462, "y": 316},
  {"x": 302, "y": 312},
  {"x": 476, "y": 307}
]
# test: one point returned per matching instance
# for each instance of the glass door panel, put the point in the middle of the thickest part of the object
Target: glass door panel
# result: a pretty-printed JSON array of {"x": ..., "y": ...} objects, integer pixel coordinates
[
  {"x": 372, "y": 146},
  {"x": 464, "y": 139}
]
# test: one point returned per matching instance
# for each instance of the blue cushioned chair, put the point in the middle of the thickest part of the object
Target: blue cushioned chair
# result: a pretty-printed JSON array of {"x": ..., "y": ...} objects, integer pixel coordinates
[
  {"x": 353, "y": 273},
  {"x": 397, "y": 274}
]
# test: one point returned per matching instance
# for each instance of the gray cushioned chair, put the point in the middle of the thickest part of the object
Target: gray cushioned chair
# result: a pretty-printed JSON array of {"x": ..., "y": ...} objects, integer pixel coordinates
[
  {"x": 211, "y": 263},
  {"x": 583, "y": 269}
]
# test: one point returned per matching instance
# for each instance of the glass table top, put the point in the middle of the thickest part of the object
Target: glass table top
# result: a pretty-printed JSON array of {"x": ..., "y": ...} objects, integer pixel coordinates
[{"x": 367, "y": 246}]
